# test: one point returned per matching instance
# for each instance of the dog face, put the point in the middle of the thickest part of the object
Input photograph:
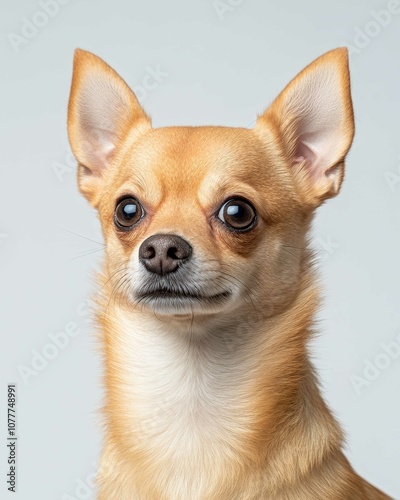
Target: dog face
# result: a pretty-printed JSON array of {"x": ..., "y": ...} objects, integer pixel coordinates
[{"x": 209, "y": 219}]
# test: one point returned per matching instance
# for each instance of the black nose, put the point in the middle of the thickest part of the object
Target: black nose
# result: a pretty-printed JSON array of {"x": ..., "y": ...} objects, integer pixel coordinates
[{"x": 163, "y": 253}]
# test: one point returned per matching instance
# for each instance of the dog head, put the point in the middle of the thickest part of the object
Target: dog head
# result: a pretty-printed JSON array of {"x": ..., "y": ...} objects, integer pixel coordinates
[{"x": 208, "y": 219}]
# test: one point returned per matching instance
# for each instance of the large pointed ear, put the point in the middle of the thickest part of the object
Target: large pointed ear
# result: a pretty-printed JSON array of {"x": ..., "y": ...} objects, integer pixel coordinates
[
  {"x": 313, "y": 117},
  {"x": 102, "y": 111}
]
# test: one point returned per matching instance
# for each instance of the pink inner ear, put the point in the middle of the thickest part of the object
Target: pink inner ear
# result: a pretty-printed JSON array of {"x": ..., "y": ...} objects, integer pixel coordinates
[
  {"x": 99, "y": 148},
  {"x": 305, "y": 154}
]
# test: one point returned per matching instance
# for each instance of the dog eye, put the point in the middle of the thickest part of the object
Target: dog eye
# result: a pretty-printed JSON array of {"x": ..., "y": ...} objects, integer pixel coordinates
[
  {"x": 127, "y": 213},
  {"x": 237, "y": 214}
]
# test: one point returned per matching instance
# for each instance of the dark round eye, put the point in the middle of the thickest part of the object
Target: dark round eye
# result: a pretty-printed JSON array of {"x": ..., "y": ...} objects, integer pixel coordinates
[
  {"x": 237, "y": 214},
  {"x": 127, "y": 213}
]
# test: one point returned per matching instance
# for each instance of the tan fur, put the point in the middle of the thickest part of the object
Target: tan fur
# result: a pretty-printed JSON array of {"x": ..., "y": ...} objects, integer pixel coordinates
[{"x": 220, "y": 402}]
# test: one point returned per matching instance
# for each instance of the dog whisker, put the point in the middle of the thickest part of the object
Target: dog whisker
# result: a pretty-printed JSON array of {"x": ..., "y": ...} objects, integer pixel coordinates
[
  {"x": 81, "y": 236},
  {"x": 85, "y": 254}
]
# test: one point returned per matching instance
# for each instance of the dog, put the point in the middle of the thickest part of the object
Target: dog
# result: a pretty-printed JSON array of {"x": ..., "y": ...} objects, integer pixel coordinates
[{"x": 208, "y": 292}]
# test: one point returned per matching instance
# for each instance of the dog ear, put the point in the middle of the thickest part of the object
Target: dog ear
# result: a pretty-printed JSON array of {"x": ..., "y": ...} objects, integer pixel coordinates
[
  {"x": 313, "y": 118},
  {"x": 102, "y": 111}
]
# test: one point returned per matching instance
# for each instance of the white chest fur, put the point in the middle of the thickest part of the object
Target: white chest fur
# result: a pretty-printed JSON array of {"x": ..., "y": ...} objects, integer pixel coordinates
[
  {"x": 179, "y": 379},
  {"x": 182, "y": 397}
]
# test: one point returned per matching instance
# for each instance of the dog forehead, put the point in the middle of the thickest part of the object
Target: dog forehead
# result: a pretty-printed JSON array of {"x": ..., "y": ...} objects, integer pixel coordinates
[
  {"x": 197, "y": 149},
  {"x": 192, "y": 156}
]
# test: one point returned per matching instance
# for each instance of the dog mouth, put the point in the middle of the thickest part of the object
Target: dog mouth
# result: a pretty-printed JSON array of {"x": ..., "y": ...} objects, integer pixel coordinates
[{"x": 171, "y": 295}]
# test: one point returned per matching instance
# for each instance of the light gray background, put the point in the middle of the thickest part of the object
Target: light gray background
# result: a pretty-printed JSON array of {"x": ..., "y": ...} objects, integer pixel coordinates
[{"x": 221, "y": 69}]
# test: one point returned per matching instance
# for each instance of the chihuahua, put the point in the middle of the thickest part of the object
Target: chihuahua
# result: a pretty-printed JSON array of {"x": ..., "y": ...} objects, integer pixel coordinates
[{"x": 208, "y": 291}]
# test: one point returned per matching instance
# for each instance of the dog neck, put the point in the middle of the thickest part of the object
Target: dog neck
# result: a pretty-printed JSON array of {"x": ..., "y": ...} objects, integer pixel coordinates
[{"x": 217, "y": 394}]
